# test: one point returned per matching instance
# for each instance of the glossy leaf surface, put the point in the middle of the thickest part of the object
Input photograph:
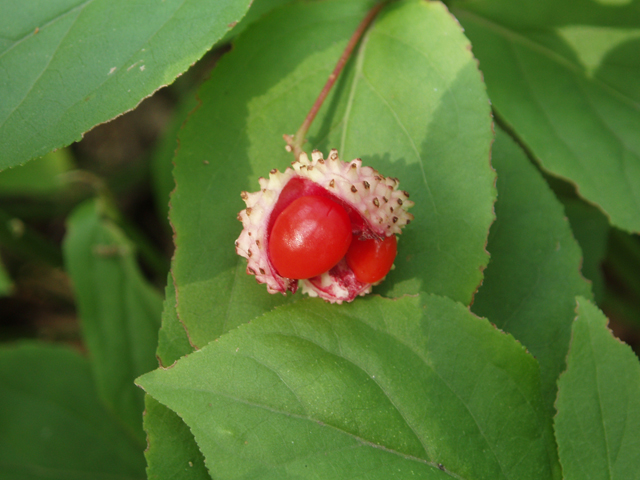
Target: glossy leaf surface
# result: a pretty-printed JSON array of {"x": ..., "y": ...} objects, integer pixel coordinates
[
  {"x": 381, "y": 388},
  {"x": 598, "y": 403},
  {"x": 534, "y": 275},
  {"x": 67, "y": 65},
  {"x": 564, "y": 77},
  {"x": 429, "y": 126},
  {"x": 54, "y": 425}
]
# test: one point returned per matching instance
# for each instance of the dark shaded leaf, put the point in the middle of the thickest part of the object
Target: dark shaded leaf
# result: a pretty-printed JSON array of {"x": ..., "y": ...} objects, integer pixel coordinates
[{"x": 54, "y": 425}]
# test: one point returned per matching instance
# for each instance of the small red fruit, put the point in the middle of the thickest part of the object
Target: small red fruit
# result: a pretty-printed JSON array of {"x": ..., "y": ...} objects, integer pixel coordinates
[
  {"x": 298, "y": 228},
  {"x": 371, "y": 260},
  {"x": 309, "y": 237}
]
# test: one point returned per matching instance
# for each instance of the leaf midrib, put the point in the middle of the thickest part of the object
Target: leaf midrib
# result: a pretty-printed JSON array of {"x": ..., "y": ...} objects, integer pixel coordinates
[
  {"x": 62, "y": 39},
  {"x": 428, "y": 364},
  {"x": 523, "y": 40},
  {"x": 45, "y": 25},
  {"x": 368, "y": 374},
  {"x": 359, "y": 75},
  {"x": 576, "y": 157},
  {"x": 360, "y": 440}
]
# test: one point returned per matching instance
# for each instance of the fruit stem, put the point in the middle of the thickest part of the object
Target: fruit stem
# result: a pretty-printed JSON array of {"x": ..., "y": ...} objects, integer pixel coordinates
[{"x": 295, "y": 142}]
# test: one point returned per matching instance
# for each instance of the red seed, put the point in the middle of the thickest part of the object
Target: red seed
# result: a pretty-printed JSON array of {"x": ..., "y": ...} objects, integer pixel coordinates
[
  {"x": 309, "y": 237},
  {"x": 371, "y": 260}
]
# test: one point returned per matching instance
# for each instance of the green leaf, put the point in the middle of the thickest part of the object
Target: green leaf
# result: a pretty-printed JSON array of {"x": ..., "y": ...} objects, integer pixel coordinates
[
  {"x": 40, "y": 177},
  {"x": 598, "y": 403},
  {"x": 415, "y": 387},
  {"x": 54, "y": 426},
  {"x": 172, "y": 452},
  {"x": 120, "y": 311},
  {"x": 67, "y": 65},
  {"x": 566, "y": 83},
  {"x": 411, "y": 104},
  {"x": 534, "y": 275}
]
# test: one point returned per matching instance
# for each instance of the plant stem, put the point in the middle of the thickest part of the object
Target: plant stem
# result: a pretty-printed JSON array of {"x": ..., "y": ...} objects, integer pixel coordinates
[{"x": 295, "y": 142}]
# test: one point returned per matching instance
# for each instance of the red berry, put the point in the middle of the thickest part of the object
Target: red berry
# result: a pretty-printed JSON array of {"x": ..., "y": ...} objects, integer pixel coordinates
[
  {"x": 309, "y": 237},
  {"x": 371, "y": 260}
]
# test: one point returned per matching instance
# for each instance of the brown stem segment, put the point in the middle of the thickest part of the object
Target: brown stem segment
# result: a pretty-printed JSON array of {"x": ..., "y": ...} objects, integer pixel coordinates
[{"x": 294, "y": 143}]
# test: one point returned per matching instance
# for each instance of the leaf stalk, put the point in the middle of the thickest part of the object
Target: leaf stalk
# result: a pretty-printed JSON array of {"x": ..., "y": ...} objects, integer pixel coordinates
[{"x": 295, "y": 142}]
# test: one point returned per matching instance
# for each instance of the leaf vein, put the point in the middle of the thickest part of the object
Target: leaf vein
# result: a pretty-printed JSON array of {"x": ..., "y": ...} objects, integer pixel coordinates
[
  {"x": 360, "y": 440},
  {"x": 45, "y": 25},
  {"x": 37, "y": 79},
  {"x": 515, "y": 37}
]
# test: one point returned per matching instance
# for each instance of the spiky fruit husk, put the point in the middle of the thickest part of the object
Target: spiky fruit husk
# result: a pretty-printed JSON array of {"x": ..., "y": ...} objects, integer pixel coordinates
[{"x": 376, "y": 208}]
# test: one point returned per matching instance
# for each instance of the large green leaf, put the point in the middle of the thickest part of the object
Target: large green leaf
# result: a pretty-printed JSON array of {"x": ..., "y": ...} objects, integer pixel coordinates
[
  {"x": 411, "y": 104},
  {"x": 120, "y": 311},
  {"x": 598, "y": 420},
  {"x": 54, "y": 425},
  {"x": 67, "y": 65},
  {"x": 564, "y": 76},
  {"x": 534, "y": 276},
  {"x": 415, "y": 387}
]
